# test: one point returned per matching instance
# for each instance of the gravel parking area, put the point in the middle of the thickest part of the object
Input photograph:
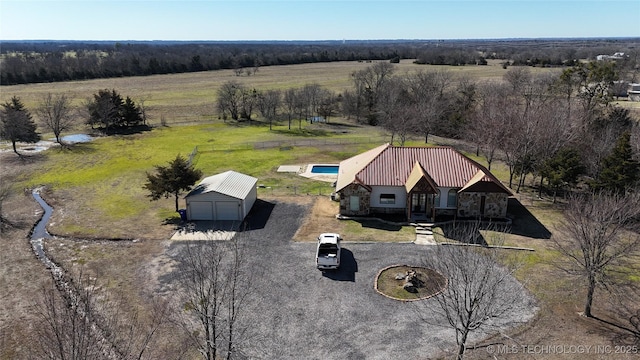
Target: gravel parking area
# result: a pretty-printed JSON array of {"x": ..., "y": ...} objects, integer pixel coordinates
[{"x": 302, "y": 313}]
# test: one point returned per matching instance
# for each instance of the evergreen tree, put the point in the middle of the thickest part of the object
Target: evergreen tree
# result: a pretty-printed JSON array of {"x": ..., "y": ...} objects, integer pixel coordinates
[
  {"x": 103, "y": 112},
  {"x": 131, "y": 114},
  {"x": 118, "y": 104},
  {"x": 16, "y": 123},
  {"x": 172, "y": 180},
  {"x": 109, "y": 110},
  {"x": 563, "y": 169},
  {"x": 619, "y": 170}
]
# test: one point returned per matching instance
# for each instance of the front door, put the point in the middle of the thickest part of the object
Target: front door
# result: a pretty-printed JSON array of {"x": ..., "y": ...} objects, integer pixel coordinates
[
  {"x": 429, "y": 206},
  {"x": 419, "y": 203}
]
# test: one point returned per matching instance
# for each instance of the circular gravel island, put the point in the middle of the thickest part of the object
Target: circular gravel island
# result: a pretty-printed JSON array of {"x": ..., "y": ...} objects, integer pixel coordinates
[{"x": 409, "y": 283}]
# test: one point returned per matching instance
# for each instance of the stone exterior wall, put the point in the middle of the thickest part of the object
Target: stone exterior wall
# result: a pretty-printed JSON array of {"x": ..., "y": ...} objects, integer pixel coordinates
[
  {"x": 383, "y": 210},
  {"x": 495, "y": 205},
  {"x": 445, "y": 212},
  {"x": 345, "y": 200}
]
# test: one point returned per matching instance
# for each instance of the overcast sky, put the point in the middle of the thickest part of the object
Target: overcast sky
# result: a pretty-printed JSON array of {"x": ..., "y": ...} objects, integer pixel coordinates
[{"x": 315, "y": 20}]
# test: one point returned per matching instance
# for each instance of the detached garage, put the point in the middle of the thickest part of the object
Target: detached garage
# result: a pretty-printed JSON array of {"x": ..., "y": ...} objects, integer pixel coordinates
[{"x": 226, "y": 196}]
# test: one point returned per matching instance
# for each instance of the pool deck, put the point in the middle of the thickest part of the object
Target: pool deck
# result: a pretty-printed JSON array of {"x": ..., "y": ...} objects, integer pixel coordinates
[{"x": 305, "y": 170}]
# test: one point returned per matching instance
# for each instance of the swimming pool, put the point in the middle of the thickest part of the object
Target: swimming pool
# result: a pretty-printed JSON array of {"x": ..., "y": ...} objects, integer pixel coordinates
[{"x": 325, "y": 169}]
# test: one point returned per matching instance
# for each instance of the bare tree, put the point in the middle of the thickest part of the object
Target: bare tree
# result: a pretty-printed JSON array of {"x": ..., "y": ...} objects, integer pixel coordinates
[
  {"x": 598, "y": 237},
  {"x": 349, "y": 104},
  {"x": 528, "y": 104},
  {"x": 268, "y": 103},
  {"x": 248, "y": 100},
  {"x": 311, "y": 96},
  {"x": 489, "y": 125},
  {"x": 230, "y": 99},
  {"x": 237, "y": 67},
  {"x": 328, "y": 104},
  {"x": 144, "y": 110},
  {"x": 79, "y": 322},
  {"x": 256, "y": 65},
  {"x": 215, "y": 281},
  {"x": 397, "y": 110},
  {"x": 428, "y": 91},
  {"x": 300, "y": 105},
  {"x": 368, "y": 83},
  {"x": 289, "y": 103},
  {"x": 56, "y": 114},
  {"x": 65, "y": 331},
  {"x": 518, "y": 77},
  {"x": 481, "y": 292}
]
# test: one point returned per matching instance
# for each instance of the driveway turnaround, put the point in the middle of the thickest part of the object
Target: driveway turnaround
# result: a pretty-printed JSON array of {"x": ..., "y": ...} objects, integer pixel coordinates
[{"x": 299, "y": 312}]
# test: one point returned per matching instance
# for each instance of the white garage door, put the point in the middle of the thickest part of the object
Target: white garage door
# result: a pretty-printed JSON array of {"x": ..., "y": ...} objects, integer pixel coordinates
[
  {"x": 227, "y": 210},
  {"x": 201, "y": 210}
]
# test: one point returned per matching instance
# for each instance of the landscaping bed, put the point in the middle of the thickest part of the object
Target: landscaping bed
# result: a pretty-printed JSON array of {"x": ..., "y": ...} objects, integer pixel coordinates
[{"x": 424, "y": 282}]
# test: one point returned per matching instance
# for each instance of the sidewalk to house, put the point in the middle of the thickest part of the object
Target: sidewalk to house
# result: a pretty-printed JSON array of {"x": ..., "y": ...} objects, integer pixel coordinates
[{"x": 424, "y": 235}]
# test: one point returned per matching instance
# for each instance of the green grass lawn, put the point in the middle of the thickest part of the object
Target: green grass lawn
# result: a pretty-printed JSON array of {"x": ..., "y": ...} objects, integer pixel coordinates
[{"x": 104, "y": 178}]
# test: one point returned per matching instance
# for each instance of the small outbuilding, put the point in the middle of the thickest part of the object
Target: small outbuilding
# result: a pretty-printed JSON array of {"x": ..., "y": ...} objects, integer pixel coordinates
[{"x": 226, "y": 196}]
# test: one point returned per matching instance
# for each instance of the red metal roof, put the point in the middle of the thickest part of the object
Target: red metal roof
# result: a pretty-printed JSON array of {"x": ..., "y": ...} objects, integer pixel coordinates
[{"x": 446, "y": 166}]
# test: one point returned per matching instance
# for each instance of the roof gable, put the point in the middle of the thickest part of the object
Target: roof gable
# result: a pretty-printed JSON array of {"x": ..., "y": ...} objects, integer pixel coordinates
[
  {"x": 484, "y": 182},
  {"x": 230, "y": 183},
  {"x": 351, "y": 166},
  {"x": 416, "y": 175}
]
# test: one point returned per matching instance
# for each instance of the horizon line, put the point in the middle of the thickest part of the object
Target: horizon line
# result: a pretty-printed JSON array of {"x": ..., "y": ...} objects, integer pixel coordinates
[{"x": 331, "y": 40}]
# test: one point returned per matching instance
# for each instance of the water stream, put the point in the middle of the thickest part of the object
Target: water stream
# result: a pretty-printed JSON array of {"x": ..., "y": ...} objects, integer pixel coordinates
[
  {"x": 40, "y": 233},
  {"x": 70, "y": 293}
]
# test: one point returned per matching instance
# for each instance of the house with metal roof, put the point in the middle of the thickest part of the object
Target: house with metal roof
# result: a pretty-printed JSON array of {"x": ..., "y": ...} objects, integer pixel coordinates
[
  {"x": 226, "y": 196},
  {"x": 419, "y": 182}
]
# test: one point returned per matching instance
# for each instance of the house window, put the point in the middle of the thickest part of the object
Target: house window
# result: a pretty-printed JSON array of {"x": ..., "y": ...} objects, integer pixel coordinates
[
  {"x": 436, "y": 199},
  {"x": 452, "y": 198},
  {"x": 387, "y": 199},
  {"x": 354, "y": 203}
]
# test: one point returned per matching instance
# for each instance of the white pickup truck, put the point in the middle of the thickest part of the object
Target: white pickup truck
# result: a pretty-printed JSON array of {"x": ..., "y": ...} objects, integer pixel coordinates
[{"x": 328, "y": 252}]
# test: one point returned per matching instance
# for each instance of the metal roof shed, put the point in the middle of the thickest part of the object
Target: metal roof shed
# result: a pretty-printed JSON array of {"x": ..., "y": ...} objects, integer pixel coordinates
[{"x": 226, "y": 196}]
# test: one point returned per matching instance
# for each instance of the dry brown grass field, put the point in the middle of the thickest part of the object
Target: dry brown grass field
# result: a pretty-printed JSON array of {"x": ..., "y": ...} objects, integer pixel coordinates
[
  {"x": 191, "y": 97},
  {"x": 131, "y": 269}
]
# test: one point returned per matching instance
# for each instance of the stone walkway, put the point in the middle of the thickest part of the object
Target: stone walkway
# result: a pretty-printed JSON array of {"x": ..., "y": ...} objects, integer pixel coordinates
[{"x": 424, "y": 235}]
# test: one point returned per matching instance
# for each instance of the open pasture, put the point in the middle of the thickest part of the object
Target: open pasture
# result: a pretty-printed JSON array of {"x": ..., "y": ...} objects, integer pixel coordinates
[
  {"x": 101, "y": 182},
  {"x": 191, "y": 97}
]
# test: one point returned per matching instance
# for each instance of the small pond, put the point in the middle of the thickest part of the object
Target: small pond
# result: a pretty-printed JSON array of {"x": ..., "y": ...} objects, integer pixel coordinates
[{"x": 76, "y": 138}]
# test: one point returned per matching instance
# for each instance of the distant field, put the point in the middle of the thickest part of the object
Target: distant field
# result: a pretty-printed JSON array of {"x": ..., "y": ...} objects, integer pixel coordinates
[{"x": 191, "y": 97}]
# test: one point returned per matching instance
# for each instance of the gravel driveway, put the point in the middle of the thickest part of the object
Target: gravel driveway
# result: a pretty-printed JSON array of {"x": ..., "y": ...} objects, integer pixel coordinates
[{"x": 303, "y": 313}]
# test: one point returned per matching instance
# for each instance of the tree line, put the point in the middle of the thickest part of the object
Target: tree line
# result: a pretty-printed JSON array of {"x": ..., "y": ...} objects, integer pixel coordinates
[
  {"x": 561, "y": 128},
  {"x": 41, "y": 61},
  {"x": 34, "y": 62}
]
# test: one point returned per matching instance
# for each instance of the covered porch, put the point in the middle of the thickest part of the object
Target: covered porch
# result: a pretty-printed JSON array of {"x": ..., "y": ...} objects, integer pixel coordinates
[{"x": 421, "y": 195}]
